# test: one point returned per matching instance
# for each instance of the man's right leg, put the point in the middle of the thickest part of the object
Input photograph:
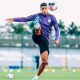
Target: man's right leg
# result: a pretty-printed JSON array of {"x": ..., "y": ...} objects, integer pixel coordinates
[{"x": 38, "y": 31}]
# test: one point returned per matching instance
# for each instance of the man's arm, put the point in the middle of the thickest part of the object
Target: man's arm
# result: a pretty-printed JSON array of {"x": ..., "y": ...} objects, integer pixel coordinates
[
  {"x": 57, "y": 32},
  {"x": 22, "y": 19}
]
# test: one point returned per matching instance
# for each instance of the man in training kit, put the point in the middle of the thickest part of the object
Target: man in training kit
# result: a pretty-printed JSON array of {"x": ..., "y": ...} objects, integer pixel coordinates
[{"x": 42, "y": 27}]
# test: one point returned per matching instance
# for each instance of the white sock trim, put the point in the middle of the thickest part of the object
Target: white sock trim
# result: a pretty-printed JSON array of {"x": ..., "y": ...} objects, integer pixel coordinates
[{"x": 36, "y": 76}]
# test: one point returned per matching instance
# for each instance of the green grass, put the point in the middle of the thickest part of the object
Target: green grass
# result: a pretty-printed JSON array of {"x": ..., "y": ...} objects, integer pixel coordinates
[{"x": 58, "y": 74}]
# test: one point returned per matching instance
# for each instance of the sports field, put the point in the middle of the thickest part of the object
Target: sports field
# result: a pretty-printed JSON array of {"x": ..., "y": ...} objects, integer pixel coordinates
[{"x": 54, "y": 74}]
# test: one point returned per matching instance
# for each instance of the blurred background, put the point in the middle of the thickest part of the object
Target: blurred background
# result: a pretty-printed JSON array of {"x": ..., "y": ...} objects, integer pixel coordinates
[{"x": 19, "y": 55}]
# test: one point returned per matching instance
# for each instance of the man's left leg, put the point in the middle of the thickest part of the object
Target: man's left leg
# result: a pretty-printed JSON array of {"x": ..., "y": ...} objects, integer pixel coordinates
[
  {"x": 44, "y": 58},
  {"x": 44, "y": 54}
]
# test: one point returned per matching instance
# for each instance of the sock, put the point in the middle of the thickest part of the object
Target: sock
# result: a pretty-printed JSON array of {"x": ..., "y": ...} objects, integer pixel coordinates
[{"x": 36, "y": 76}]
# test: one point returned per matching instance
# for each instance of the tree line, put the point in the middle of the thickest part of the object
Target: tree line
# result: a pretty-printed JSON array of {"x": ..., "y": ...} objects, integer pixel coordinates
[{"x": 72, "y": 29}]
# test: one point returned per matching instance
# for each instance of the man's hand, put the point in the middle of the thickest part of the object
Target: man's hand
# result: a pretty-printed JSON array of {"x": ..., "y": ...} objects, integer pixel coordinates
[
  {"x": 9, "y": 19},
  {"x": 56, "y": 42}
]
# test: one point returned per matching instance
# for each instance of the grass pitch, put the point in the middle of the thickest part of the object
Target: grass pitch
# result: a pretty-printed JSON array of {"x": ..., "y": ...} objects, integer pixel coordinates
[{"x": 54, "y": 74}]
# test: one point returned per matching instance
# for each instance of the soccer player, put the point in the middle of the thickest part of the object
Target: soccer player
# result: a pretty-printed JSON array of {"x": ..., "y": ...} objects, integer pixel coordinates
[{"x": 42, "y": 28}]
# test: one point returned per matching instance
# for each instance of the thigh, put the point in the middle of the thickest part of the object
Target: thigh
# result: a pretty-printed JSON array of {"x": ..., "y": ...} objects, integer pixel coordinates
[
  {"x": 44, "y": 45},
  {"x": 44, "y": 56},
  {"x": 35, "y": 38}
]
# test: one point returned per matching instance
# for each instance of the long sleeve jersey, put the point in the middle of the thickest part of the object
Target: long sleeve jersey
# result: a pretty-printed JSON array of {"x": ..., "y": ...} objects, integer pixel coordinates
[{"x": 45, "y": 21}]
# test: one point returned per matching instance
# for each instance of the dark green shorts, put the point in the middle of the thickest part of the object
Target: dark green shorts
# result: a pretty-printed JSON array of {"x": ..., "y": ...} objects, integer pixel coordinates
[{"x": 41, "y": 41}]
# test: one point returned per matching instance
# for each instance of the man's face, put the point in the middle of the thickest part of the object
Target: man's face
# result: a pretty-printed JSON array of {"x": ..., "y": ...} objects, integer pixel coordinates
[{"x": 44, "y": 9}]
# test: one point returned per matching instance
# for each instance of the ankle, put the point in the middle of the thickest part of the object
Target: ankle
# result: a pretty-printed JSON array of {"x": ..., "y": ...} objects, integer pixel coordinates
[
  {"x": 38, "y": 31},
  {"x": 36, "y": 76}
]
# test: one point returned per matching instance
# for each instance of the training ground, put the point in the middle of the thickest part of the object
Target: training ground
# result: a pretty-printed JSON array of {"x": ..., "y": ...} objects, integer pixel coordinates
[{"x": 53, "y": 74}]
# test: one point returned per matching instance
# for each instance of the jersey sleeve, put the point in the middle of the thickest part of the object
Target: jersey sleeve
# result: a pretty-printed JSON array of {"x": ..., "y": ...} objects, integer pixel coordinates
[
  {"x": 56, "y": 28},
  {"x": 25, "y": 19}
]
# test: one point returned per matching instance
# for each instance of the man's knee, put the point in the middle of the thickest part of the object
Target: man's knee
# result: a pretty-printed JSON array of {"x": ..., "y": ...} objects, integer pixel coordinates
[
  {"x": 44, "y": 55},
  {"x": 45, "y": 60}
]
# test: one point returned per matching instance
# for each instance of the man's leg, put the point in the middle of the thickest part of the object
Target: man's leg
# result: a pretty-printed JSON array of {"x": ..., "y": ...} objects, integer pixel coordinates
[
  {"x": 44, "y": 58},
  {"x": 38, "y": 31}
]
